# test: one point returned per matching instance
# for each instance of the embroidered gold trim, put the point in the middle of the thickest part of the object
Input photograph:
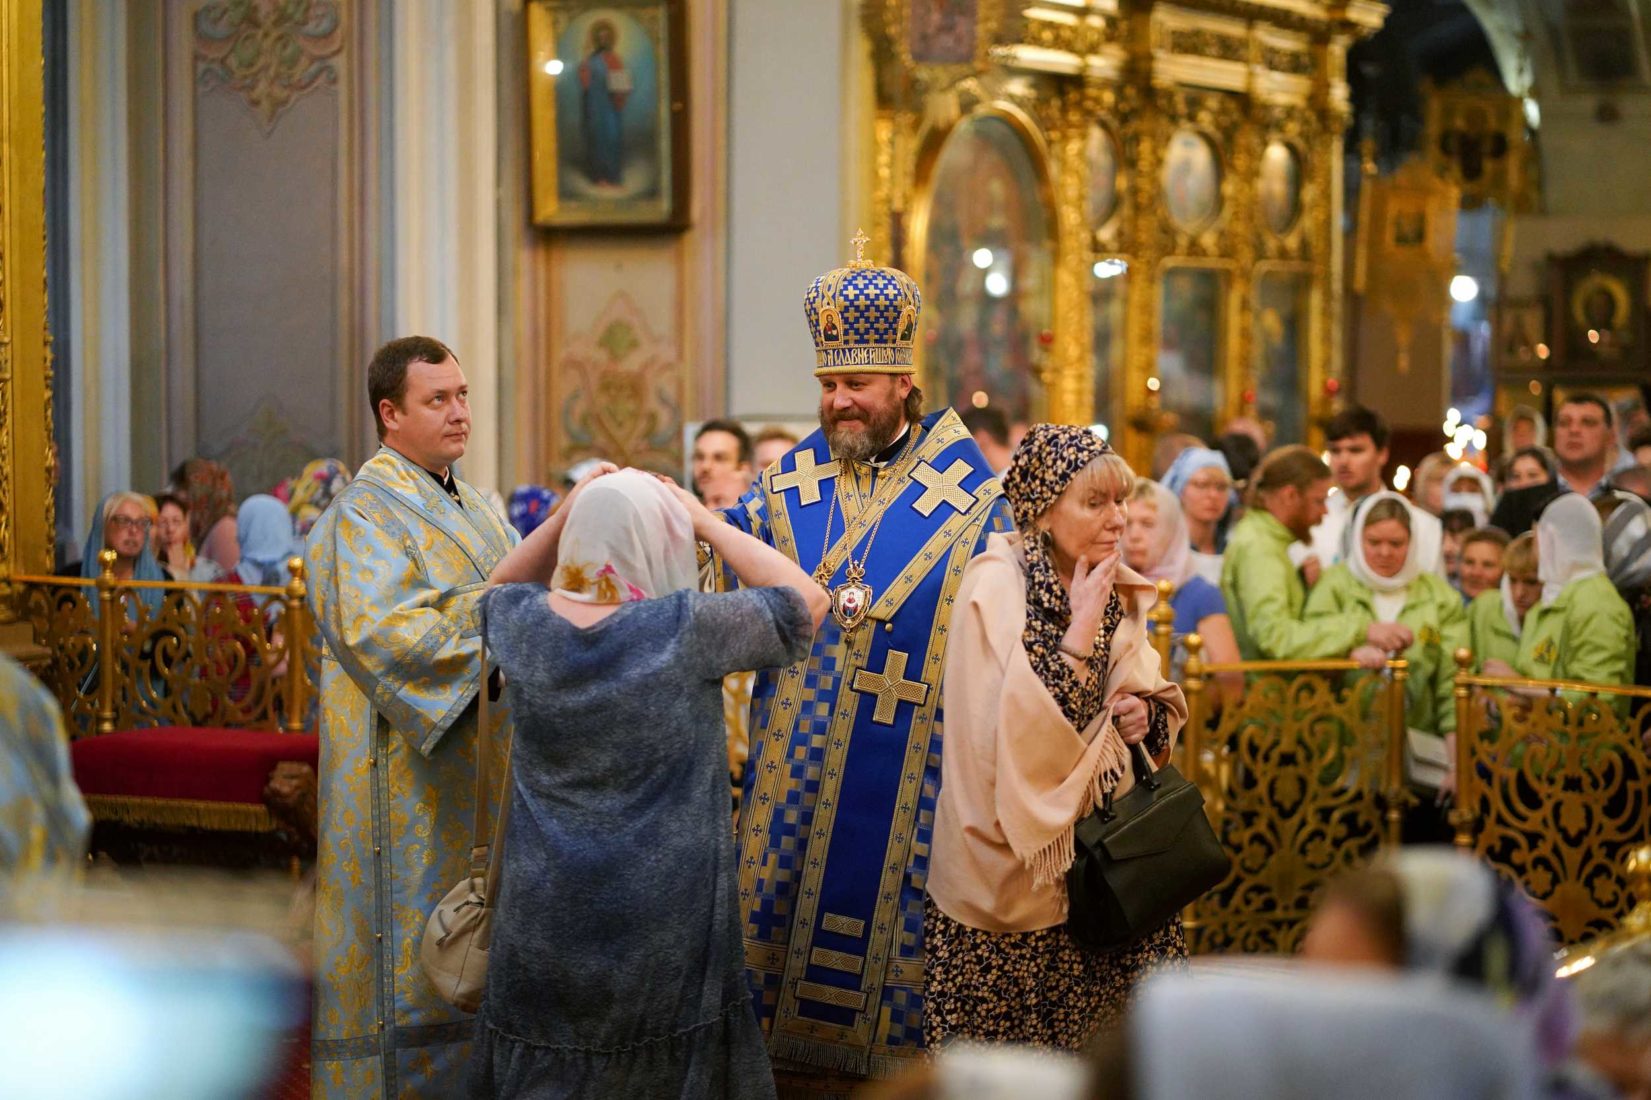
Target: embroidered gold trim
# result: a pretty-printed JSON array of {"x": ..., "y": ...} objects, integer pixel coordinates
[
  {"x": 843, "y": 926},
  {"x": 831, "y": 995},
  {"x": 181, "y": 813},
  {"x": 837, "y": 960}
]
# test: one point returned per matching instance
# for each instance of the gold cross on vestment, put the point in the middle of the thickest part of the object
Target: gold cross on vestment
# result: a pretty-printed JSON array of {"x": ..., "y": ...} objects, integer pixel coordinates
[
  {"x": 941, "y": 488},
  {"x": 805, "y": 478},
  {"x": 891, "y": 687}
]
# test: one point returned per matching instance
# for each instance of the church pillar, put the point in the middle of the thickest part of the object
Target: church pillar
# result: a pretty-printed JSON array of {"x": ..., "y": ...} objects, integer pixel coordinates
[
  {"x": 442, "y": 177},
  {"x": 108, "y": 405},
  {"x": 26, "y": 505}
]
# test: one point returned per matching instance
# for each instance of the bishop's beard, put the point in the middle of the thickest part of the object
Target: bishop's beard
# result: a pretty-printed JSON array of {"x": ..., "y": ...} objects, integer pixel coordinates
[{"x": 860, "y": 440}]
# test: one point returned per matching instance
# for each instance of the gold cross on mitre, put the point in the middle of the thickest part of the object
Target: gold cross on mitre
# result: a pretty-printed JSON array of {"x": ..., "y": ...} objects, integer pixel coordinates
[
  {"x": 891, "y": 687},
  {"x": 859, "y": 241},
  {"x": 805, "y": 478},
  {"x": 941, "y": 488}
]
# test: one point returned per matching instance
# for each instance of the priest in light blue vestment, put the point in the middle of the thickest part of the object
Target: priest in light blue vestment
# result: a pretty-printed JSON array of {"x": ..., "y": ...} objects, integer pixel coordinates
[
  {"x": 398, "y": 564},
  {"x": 885, "y": 506},
  {"x": 44, "y": 823}
]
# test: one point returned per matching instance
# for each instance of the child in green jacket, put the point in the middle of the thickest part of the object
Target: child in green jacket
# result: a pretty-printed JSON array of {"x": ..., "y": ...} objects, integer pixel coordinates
[{"x": 1497, "y": 615}]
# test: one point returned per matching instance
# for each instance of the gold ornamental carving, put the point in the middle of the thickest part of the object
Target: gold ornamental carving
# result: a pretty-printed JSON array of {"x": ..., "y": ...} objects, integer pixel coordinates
[
  {"x": 26, "y": 507},
  {"x": 1474, "y": 133},
  {"x": 1240, "y": 75},
  {"x": 1407, "y": 249},
  {"x": 1555, "y": 791}
]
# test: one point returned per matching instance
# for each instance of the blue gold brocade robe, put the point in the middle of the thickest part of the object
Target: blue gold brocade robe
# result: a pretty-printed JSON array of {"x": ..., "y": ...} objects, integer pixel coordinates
[
  {"x": 44, "y": 823},
  {"x": 397, "y": 571},
  {"x": 839, "y": 793}
]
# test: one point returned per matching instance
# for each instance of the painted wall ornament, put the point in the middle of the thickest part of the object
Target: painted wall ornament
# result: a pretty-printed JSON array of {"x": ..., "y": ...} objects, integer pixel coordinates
[{"x": 268, "y": 52}]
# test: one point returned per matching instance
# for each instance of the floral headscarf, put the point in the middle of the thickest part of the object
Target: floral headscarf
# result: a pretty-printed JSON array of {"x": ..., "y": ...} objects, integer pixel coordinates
[
  {"x": 530, "y": 505},
  {"x": 627, "y": 538},
  {"x": 314, "y": 489},
  {"x": 1045, "y": 463},
  {"x": 211, "y": 494}
]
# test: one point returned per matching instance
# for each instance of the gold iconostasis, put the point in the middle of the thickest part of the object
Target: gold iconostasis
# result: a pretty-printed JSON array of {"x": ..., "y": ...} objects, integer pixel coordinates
[{"x": 1124, "y": 217}]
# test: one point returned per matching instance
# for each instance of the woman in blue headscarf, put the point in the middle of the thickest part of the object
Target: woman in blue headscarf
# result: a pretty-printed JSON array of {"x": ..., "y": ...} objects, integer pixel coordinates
[
  {"x": 265, "y": 534},
  {"x": 263, "y": 529},
  {"x": 122, "y": 523},
  {"x": 1203, "y": 483}
]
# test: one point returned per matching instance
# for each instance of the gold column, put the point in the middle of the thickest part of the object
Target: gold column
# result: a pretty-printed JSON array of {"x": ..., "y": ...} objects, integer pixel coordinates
[
  {"x": 1069, "y": 374},
  {"x": 1324, "y": 346},
  {"x": 27, "y": 515},
  {"x": 1140, "y": 413},
  {"x": 1240, "y": 325}
]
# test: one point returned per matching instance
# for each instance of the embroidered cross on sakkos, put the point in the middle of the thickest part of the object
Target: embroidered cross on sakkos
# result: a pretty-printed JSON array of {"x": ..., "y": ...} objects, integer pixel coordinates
[
  {"x": 941, "y": 488},
  {"x": 805, "y": 478},
  {"x": 891, "y": 687}
]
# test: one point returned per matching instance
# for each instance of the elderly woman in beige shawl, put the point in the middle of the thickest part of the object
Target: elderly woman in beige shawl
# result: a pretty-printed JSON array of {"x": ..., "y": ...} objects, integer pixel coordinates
[{"x": 1050, "y": 675}]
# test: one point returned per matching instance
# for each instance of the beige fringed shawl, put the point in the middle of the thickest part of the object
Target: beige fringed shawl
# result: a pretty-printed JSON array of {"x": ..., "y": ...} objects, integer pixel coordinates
[{"x": 1015, "y": 775}]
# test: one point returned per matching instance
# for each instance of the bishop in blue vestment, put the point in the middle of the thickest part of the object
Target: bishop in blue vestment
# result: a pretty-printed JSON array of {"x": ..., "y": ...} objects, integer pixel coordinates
[{"x": 885, "y": 506}]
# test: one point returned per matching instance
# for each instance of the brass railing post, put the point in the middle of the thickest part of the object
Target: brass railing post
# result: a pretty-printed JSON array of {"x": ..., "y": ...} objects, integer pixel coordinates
[
  {"x": 1163, "y": 625},
  {"x": 106, "y": 632},
  {"x": 297, "y": 638},
  {"x": 1461, "y": 814},
  {"x": 1397, "y": 737},
  {"x": 1193, "y": 685}
]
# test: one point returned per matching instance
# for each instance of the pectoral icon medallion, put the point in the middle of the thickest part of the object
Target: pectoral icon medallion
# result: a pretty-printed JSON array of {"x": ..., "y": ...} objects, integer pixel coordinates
[{"x": 851, "y": 600}]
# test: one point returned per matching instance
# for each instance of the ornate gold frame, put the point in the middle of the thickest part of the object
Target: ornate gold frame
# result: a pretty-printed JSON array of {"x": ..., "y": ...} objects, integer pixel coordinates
[
  {"x": 1242, "y": 73},
  {"x": 930, "y": 143},
  {"x": 27, "y": 463}
]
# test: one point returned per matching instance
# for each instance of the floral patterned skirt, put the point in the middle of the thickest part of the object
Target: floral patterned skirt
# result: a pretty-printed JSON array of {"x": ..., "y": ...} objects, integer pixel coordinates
[{"x": 1037, "y": 987}]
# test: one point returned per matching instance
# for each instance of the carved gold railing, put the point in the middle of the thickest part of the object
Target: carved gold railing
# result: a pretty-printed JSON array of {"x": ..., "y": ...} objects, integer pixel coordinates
[
  {"x": 1554, "y": 790},
  {"x": 1303, "y": 779},
  {"x": 1163, "y": 628},
  {"x": 238, "y": 656}
]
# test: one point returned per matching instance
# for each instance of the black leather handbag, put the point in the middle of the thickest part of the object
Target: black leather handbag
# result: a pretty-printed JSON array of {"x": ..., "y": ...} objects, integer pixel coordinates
[{"x": 1141, "y": 859}]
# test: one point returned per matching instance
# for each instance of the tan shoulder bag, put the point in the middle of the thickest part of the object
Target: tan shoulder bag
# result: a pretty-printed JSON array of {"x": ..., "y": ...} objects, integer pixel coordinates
[{"x": 460, "y": 929}]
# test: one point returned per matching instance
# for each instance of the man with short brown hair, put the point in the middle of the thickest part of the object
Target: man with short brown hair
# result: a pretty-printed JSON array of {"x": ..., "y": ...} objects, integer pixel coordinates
[{"x": 398, "y": 564}]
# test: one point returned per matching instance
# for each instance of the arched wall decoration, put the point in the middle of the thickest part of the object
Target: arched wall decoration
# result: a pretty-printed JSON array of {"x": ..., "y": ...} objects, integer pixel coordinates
[
  {"x": 984, "y": 322},
  {"x": 1272, "y": 73}
]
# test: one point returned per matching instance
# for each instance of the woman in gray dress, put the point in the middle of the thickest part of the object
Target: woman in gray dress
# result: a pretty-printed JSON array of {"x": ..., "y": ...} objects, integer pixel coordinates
[{"x": 616, "y": 967}]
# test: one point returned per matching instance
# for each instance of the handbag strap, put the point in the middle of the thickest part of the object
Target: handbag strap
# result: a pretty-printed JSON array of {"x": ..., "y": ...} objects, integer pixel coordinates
[
  {"x": 489, "y": 834},
  {"x": 1144, "y": 775}
]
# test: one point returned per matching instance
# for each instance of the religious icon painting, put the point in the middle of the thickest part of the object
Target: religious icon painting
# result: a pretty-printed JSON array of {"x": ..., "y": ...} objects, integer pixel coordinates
[
  {"x": 986, "y": 232},
  {"x": 1101, "y": 153},
  {"x": 1279, "y": 189},
  {"x": 607, "y": 105},
  {"x": 1597, "y": 295},
  {"x": 1192, "y": 180},
  {"x": 908, "y": 326},
  {"x": 831, "y": 328}
]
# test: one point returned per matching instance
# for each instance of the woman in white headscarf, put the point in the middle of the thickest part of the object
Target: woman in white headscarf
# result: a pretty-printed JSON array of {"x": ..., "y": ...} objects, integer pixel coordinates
[
  {"x": 1384, "y": 580},
  {"x": 1156, "y": 546},
  {"x": 1582, "y": 629},
  {"x": 1469, "y": 489},
  {"x": 616, "y": 966}
]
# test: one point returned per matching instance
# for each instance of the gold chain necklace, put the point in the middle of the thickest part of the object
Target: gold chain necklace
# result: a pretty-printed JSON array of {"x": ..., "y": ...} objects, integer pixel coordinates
[{"x": 851, "y": 600}]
